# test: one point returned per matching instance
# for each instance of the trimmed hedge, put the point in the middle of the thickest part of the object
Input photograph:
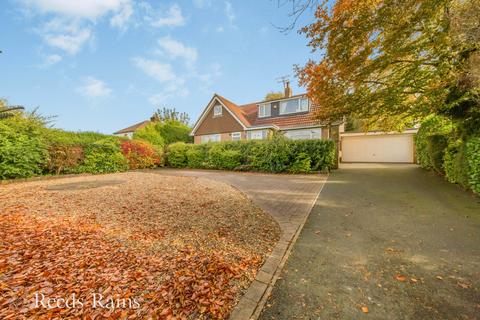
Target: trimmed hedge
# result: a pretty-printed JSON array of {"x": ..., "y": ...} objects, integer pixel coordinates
[
  {"x": 432, "y": 125},
  {"x": 104, "y": 156},
  {"x": 22, "y": 151},
  {"x": 440, "y": 147},
  {"x": 473, "y": 159},
  {"x": 275, "y": 155}
]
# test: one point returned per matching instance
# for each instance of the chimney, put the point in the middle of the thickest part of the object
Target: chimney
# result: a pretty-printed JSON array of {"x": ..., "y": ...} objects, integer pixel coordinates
[{"x": 288, "y": 90}]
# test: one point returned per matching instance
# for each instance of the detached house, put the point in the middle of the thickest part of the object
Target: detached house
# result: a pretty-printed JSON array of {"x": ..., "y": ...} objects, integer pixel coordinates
[{"x": 294, "y": 115}]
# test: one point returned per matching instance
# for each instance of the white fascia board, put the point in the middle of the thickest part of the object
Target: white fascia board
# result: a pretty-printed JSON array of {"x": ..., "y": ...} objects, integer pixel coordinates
[{"x": 377, "y": 133}]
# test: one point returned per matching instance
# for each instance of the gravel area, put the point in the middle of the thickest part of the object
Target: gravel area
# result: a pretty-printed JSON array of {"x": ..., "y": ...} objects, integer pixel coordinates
[{"x": 180, "y": 247}]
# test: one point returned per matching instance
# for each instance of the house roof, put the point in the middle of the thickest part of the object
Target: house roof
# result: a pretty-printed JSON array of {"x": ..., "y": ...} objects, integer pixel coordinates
[
  {"x": 133, "y": 128},
  {"x": 248, "y": 115}
]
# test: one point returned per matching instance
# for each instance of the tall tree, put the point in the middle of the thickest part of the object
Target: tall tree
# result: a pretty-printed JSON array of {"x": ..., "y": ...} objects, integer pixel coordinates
[
  {"x": 387, "y": 61},
  {"x": 169, "y": 114},
  {"x": 274, "y": 95},
  {"x": 8, "y": 111}
]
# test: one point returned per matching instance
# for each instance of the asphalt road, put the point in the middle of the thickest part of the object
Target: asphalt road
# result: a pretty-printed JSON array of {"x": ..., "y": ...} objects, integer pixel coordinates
[{"x": 392, "y": 242}]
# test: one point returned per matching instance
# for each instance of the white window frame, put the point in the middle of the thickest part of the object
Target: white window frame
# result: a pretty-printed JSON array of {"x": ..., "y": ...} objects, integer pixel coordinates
[
  {"x": 313, "y": 133},
  {"x": 263, "y": 108},
  {"x": 298, "y": 108},
  {"x": 216, "y": 137},
  {"x": 217, "y": 110},
  {"x": 236, "y": 136},
  {"x": 253, "y": 134}
]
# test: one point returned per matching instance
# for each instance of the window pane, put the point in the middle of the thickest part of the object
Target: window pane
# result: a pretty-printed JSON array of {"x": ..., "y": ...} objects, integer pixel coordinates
[
  {"x": 303, "y": 105},
  {"x": 236, "y": 136},
  {"x": 217, "y": 110},
  {"x": 264, "y": 110},
  {"x": 257, "y": 134},
  {"x": 289, "y": 106},
  {"x": 304, "y": 134}
]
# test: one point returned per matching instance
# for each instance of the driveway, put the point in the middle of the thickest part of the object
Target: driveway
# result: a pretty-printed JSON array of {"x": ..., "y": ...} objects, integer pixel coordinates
[
  {"x": 288, "y": 198},
  {"x": 392, "y": 242}
]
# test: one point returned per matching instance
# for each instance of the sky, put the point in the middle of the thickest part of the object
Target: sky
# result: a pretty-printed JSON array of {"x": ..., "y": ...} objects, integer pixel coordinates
[{"x": 105, "y": 65}]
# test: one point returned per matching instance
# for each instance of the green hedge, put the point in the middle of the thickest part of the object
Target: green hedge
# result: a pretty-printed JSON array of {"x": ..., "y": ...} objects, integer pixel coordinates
[
  {"x": 275, "y": 155},
  {"x": 104, "y": 156},
  {"x": 473, "y": 159},
  {"x": 23, "y": 153},
  {"x": 440, "y": 147},
  {"x": 432, "y": 125}
]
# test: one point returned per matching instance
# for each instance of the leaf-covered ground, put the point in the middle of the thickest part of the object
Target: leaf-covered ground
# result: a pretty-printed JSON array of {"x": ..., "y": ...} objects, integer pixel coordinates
[{"x": 131, "y": 245}]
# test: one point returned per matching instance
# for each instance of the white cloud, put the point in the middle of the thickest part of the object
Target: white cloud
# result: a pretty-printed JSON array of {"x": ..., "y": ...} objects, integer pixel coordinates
[
  {"x": 50, "y": 60},
  {"x": 173, "y": 18},
  {"x": 229, "y": 12},
  {"x": 168, "y": 93},
  {"x": 70, "y": 24},
  {"x": 220, "y": 29},
  {"x": 94, "y": 88},
  {"x": 122, "y": 17},
  {"x": 175, "y": 49},
  {"x": 86, "y": 9},
  {"x": 70, "y": 42},
  {"x": 160, "y": 71}
]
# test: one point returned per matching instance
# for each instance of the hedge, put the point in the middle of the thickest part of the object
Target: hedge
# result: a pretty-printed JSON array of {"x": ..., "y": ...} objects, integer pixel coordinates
[
  {"x": 275, "y": 155},
  {"x": 432, "y": 125},
  {"x": 440, "y": 147},
  {"x": 23, "y": 153},
  {"x": 473, "y": 159},
  {"x": 28, "y": 148}
]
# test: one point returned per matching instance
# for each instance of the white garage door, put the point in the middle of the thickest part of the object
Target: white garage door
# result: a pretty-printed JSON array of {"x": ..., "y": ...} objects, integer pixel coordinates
[{"x": 378, "y": 148}]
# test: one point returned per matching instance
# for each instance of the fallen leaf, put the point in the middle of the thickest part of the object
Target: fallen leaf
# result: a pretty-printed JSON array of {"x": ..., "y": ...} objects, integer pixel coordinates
[
  {"x": 439, "y": 277},
  {"x": 365, "y": 309},
  {"x": 400, "y": 277}
]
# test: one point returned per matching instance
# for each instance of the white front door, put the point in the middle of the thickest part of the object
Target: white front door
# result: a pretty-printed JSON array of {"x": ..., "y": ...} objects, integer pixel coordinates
[{"x": 378, "y": 148}]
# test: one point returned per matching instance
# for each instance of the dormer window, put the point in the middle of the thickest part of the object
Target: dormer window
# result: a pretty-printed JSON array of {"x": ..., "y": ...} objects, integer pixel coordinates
[
  {"x": 264, "y": 110},
  {"x": 217, "y": 111},
  {"x": 294, "y": 106}
]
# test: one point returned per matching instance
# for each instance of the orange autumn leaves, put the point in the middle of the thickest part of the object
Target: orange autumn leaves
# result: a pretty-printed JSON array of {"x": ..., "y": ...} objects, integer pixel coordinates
[{"x": 176, "y": 245}]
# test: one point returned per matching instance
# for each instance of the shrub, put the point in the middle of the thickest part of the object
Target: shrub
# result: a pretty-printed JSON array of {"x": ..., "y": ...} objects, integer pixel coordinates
[
  {"x": 197, "y": 157},
  {"x": 430, "y": 126},
  {"x": 63, "y": 158},
  {"x": 221, "y": 158},
  {"x": 140, "y": 154},
  {"x": 150, "y": 134},
  {"x": 174, "y": 131},
  {"x": 104, "y": 156},
  {"x": 455, "y": 163},
  {"x": 473, "y": 156},
  {"x": 301, "y": 164},
  {"x": 436, "y": 145},
  {"x": 271, "y": 155},
  {"x": 322, "y": 155},
  {"x": 276, "y": 155},
  {"x": 22, "y": 151},
  {"x": 177, "y": 155}
]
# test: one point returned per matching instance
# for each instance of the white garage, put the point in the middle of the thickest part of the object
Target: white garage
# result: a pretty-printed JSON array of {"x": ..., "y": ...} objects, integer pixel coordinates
[{"x": 377, "y": 147}]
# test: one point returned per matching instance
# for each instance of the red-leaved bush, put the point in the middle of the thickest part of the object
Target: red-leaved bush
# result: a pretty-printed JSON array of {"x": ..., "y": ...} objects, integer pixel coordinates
[{"x": 141, "y": 154}]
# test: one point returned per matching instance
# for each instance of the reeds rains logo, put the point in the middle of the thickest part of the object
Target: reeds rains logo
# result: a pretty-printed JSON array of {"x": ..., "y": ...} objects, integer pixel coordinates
[{"x": 96, "y": 300}]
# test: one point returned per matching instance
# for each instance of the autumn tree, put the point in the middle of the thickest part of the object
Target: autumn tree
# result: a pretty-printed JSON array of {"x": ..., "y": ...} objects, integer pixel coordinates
[
  {"x": 391, "y": 62},
  {"x": 274, "y": 95}
]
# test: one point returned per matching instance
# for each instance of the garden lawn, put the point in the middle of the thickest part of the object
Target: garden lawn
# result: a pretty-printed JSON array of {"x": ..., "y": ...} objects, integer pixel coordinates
[{"x": 141, "y": 244}]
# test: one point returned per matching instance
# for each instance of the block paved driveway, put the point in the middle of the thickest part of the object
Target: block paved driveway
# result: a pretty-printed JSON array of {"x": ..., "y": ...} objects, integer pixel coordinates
[
  {"x": 397, "y": 241},
  {"x": 288, "y": 198}
]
